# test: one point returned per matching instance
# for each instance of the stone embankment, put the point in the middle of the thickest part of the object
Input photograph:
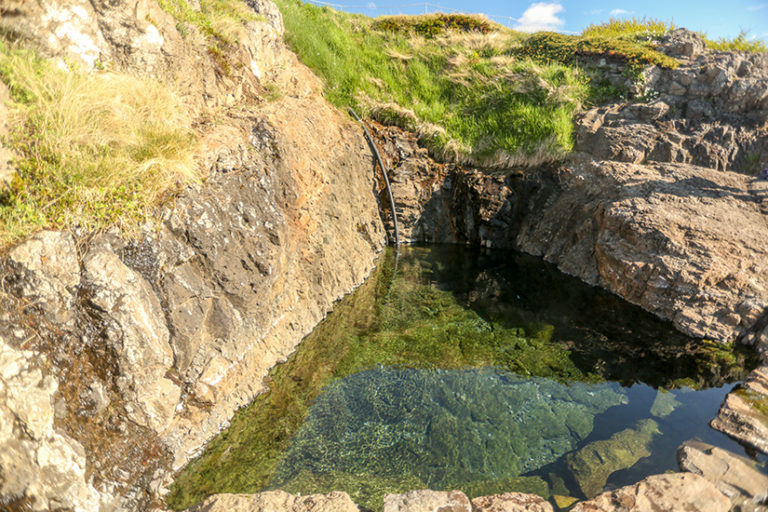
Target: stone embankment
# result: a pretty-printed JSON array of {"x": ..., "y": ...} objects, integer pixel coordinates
[{"x": 670, "y": 492}]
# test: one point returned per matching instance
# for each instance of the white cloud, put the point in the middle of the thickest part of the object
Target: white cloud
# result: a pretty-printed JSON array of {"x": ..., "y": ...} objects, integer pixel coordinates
[
  {"x": 540, "y": 16},
  {"x": 619, "y": 12},
  {"x": 753, "y": 8},
  {"x": 371, "y": 5}
]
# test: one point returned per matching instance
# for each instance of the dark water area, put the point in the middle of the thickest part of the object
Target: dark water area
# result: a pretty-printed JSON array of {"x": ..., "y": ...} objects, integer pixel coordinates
[{"x": 485, "y": 371}]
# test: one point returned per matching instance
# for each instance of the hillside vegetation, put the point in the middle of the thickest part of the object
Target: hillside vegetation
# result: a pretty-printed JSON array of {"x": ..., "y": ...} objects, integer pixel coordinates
[
  {"x": 102, "y": 147},
  {"x": 93, "y": 149},
  {"x": 475, "y": 91}
]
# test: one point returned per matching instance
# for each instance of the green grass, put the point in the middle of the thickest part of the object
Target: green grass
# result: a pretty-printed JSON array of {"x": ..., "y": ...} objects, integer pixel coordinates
[
  {"x": 431, "y": 25},
  {"x": 638, "y": 30},
  {"x": 475, "y": 92},
  {"x": 563, "y": 48},
  {"x": 222, "y": 20},
  {"x": 739, "y": 43},
  {"x": 94, "y": 149},
  {"x": 469, "y": 100}
]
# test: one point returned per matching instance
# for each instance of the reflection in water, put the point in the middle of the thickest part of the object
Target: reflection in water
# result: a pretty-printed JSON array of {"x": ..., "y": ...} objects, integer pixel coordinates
[{"x": 486, "y": 371}]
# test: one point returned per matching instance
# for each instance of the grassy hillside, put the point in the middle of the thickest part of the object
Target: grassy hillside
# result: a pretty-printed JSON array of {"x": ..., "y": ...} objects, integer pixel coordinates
[{"x": 475, "y": 91}]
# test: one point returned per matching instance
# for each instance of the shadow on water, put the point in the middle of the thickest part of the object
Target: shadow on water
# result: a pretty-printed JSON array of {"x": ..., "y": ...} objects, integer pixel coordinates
[
  {"x": 604, "y": 334},
  {"x": 486, "y": 371}
]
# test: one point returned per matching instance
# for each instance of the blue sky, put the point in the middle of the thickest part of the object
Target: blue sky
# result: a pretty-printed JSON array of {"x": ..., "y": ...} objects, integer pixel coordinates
[{"x": 723, "y": 18}]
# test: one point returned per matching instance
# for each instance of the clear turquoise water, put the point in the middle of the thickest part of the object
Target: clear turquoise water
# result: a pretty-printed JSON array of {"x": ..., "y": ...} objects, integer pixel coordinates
[
  {"x": 479, "y": 428},
  {"x": 485, "y": 371}
]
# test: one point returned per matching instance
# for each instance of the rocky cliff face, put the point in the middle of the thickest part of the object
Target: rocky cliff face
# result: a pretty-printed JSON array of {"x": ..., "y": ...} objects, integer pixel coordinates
[
  {"x": 120, "y": 358},
  {"x": 659, "y": 204}
]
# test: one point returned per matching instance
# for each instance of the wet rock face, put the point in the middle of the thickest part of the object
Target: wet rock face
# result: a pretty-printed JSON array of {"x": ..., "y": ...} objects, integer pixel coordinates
[
  {"x": 47, "y": 272},
  {"x": 136, "y": 331},
  {"x": 672, "y": 491}
]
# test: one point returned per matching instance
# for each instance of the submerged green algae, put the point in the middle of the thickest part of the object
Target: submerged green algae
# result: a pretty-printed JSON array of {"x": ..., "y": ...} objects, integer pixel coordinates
[
  {"x": 448, "y": 428},
  {"x": 395, "y": 318},
  {"x": 594, "y": 463},
  {"x": 400, "y": 318}
]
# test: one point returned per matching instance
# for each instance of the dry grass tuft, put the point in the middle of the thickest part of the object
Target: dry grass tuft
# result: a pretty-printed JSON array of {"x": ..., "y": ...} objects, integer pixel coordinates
[{"x": 95, "y": 149}]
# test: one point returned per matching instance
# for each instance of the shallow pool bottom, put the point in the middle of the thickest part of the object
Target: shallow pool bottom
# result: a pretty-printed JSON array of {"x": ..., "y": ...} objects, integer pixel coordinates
[{"x": 484, "y": 371}]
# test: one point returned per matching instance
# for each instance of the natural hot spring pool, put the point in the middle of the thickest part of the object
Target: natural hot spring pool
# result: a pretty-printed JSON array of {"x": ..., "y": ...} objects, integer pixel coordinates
[{"x": 485, "y": 371}]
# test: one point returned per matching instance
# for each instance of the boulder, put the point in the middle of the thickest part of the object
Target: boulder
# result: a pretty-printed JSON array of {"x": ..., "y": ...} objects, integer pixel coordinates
[
  {"x": 427, "y": 501},
  {"x": 682, "y": 42},
  {"x": 744, "y": 414},
  {"x": 671, "y": 492},
  {"x": 730, "y": 474},
  {"x": 276, "y": 501},
  {"x": 511, "y": 502}
]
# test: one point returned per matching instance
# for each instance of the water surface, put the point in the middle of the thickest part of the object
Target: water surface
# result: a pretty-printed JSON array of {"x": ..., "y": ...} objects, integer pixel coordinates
[{"x": 485, "y": 371}]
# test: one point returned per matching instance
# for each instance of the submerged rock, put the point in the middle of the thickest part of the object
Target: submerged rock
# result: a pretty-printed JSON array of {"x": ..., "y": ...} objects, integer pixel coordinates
[
  {"x": 277, "y": 501},
  {"x": 427, "y": 501},
  {"x": 592, "y": 465},
  {"x": 744, "y": 414},
  {"x": 671, "y": 492},
  {"x": 664, "y": 404},
  {"x": 731, "y": 475},
  {"x": 447, "y": 427}
]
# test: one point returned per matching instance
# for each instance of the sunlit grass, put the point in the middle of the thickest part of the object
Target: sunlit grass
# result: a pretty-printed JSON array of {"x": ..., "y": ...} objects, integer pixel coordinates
[
  {"x": 644, "y": 29},
  {"x": 94, "y": 149},
  {"x": 739, "y": 43},
  {"x": 447, "y": 77}
]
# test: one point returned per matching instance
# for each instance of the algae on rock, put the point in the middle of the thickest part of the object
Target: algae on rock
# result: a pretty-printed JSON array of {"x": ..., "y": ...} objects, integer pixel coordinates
[
  {"x": 664, "y": 404},
  {"x": 446, "y": 427},
  {"x": 593, "y": 464}
]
